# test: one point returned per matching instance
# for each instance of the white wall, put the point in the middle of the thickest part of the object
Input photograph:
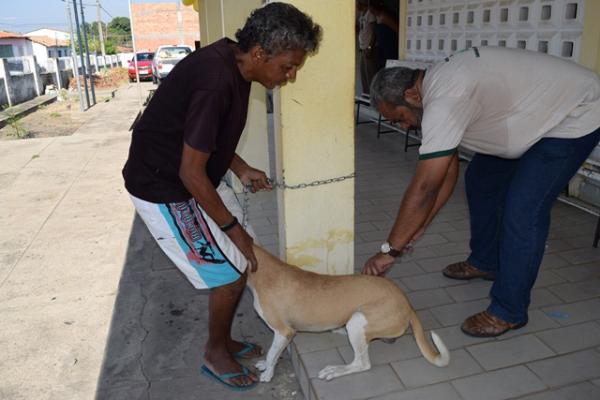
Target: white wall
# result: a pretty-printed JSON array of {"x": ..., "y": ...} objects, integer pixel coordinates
[
  {"x": 124, "y": 58},
  {"x": 22, "y": 84},
  {"x": 41, "y": 53},
  {"x": 550, "y": 26}
]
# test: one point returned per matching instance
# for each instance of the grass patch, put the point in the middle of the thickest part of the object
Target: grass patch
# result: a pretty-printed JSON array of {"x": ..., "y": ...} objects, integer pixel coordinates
[{"x": 14, "y": 121}]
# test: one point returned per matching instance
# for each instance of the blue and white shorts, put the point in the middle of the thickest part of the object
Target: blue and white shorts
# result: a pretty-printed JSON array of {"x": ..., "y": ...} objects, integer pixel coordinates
[{"x": 193, "y": 241}]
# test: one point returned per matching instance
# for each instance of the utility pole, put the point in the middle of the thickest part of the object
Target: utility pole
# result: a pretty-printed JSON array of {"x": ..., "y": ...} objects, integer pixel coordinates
[
  {"x": 83, "y": 67},
  {"x": 87, "y": 52},
  {"x": 98, "y": 17},
  {"x": 180, "y": 23},
  {"x": 135, "y": 63},
  {"x": 74, "y": 57}
]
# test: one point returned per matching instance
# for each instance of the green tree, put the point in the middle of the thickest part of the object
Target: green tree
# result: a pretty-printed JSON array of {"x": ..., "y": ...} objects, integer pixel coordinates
[
  {"x": 119, "y": 30},
  {"x": 116, "y": 33}
]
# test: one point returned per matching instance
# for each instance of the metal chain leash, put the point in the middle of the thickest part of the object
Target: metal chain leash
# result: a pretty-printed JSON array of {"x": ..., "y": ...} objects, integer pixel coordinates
[{"x": 283, "y": 185}]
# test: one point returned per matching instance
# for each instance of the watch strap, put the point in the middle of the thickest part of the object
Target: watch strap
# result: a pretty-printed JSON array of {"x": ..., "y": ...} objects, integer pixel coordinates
[{"x": 393, "y": 252}]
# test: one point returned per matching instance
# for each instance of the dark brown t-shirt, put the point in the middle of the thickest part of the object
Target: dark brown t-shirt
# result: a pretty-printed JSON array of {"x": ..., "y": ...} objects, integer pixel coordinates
[{"x": 202, "y": 102}]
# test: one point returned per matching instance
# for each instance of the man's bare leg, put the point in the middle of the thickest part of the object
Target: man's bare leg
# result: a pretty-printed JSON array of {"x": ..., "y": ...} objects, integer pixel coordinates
[{"x": 222, "y": 304}]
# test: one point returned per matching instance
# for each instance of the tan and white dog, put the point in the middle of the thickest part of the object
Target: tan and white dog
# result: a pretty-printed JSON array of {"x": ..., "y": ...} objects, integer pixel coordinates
[{"x": 290, "y": 299}]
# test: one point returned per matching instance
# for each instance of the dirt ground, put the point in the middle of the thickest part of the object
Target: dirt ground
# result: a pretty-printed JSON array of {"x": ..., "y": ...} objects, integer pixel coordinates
[{"x": 62, "y": 118}]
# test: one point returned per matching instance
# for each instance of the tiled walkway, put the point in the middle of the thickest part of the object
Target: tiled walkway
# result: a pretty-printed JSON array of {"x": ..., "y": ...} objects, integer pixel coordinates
[{"x": 556, "y": 356}]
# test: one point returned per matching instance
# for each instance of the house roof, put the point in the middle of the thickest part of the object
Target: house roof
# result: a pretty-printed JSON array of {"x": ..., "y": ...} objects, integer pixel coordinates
[
  {"x": 11, "y": 35},
  {"x": 48, "y": 41},
  {"x": 48, "y": 29}
]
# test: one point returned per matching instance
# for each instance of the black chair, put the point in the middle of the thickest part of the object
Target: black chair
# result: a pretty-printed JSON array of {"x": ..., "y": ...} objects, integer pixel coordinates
[{"x": 362, "y": 100}]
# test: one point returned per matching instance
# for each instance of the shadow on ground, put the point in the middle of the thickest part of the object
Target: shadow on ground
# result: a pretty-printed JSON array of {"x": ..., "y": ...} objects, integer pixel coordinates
[{"x": 158, "y": 330}]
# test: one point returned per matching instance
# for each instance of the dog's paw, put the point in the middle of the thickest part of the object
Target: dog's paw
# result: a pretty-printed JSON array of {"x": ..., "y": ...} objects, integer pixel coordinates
[
  {"x": 266, "y": 376},
  {"x": 340, "y": 331},
  {"x": 332, "y": 371},
  {"x": 261, "y": 365}
]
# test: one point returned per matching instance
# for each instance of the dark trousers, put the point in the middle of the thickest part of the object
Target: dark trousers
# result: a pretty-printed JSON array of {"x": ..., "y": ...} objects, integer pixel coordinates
[
  {"x": 509, "y": 205},
  {"x": 368, "y": 69}
]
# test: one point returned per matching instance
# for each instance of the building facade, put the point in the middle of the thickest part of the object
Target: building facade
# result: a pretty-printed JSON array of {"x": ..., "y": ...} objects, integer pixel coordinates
[
  {"x": 14, "y": 45},
  {"x": 45, "y": 47},
  {"x": 438, "y": 28},
  {"x": 156, "y": 24}
]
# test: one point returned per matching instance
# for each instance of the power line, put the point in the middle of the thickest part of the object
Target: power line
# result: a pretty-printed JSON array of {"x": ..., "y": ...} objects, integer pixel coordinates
[
  {"x": 104, "y": 9},
  {"x": 85, "y": 4},
  {"x": 94, "y": 5}
]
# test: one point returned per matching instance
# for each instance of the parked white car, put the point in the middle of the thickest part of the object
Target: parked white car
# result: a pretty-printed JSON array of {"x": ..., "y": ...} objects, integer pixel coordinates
[{"x": 165, "y": 58}]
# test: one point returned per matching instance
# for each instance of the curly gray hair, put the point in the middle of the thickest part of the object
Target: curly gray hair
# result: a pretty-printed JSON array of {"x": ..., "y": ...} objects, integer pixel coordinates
[{"x": 278, "y": 27}]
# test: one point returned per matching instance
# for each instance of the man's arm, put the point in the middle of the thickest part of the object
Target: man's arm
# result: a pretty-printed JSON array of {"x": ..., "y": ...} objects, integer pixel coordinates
[
  {"x": 426, "y": 194},
  {"x": 238, "y": 164},
  {"x": 192, "y": 172},
  {"x": 249, "y": 175},
  {"x": 444, "y": 192}
]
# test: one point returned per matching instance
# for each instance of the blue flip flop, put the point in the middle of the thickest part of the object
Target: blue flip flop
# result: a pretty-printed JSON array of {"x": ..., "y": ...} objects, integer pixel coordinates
[
  {"x": 248, "y": 347},
  {"x": 224, "y": 377}
]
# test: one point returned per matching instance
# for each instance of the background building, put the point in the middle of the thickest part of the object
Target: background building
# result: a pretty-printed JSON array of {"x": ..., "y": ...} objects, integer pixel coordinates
[
  {"x": 42, "y": 47},
  {"x": 45, "y": 47},
  {"x": 51, "y": 33},
  {"x": 14, "y": 45},
  {"x": 156, "y": 24}
]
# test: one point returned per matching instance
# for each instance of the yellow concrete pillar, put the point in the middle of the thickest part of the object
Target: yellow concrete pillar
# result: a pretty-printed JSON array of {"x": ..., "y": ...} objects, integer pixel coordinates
[
  {"x": 220, "y": 18},
  {"x": 314, "y": 133},
  {"x": 402, "y": 27},
  {"x": 590, "y": 42}
]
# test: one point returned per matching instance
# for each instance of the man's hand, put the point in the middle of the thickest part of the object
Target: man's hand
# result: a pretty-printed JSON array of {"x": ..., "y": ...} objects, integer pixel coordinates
[
  {"x": 410, "y": 246},
  {"x": 255, "y": 178},
  {"x": 243, "y": 242},
  {"x": 378, "y": 264}
]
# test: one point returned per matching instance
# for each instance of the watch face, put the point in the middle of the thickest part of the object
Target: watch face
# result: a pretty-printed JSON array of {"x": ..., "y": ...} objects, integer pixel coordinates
[{"x": 385, "y": 248}]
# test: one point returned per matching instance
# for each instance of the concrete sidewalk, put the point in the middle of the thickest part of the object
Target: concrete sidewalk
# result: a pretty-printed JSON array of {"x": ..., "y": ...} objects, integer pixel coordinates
[
  {"x": 65, "y": 221},
  {"x": 89, "y": 304}
]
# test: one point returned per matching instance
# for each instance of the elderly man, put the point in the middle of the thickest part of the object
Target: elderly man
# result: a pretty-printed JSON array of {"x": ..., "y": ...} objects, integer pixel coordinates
[
  {"x": 183, "y": 145},
  {"x": 532, "y": 120}
]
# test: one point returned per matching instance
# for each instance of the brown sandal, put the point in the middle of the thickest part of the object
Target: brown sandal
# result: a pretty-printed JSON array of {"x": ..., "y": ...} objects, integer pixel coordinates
[
  {"x": 464, "y": 271},
  {"x": 484, "y": 324}
]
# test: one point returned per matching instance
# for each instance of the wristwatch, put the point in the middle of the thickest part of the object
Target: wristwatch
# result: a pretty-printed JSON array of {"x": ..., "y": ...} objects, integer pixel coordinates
[{"x": 386, "y": 248}]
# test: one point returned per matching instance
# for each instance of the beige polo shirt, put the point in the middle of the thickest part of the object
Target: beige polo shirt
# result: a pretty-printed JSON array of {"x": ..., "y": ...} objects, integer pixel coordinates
[{"x": 500, "y": 101}]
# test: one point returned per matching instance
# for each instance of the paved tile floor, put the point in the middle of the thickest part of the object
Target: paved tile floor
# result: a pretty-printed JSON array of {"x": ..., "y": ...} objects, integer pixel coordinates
[{"x": 556, "y": 356}]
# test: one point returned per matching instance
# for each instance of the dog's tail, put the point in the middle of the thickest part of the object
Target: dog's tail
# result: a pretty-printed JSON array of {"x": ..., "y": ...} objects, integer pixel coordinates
[{"x": 439, "y": 357}]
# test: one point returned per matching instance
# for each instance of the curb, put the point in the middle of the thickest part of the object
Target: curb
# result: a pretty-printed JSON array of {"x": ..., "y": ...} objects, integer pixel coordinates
[{"x": 27, "y": 111}]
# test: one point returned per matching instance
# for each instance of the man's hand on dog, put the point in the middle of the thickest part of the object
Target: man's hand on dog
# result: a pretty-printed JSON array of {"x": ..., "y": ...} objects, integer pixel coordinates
[
  {"x": 378, "y": 264},
  {"x": 243, "y": 242}
]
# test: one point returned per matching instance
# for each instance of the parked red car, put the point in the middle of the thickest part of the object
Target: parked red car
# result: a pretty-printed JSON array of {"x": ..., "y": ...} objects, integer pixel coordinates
[{"x": 144, "y": 63}]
